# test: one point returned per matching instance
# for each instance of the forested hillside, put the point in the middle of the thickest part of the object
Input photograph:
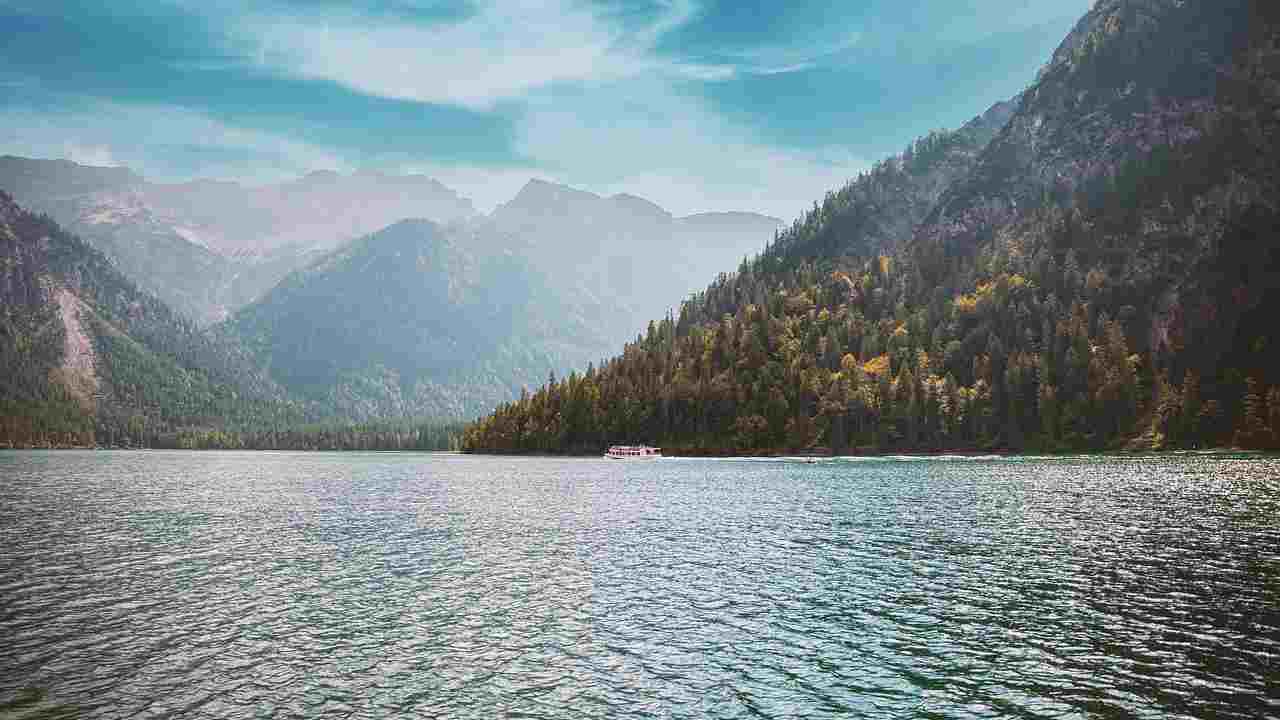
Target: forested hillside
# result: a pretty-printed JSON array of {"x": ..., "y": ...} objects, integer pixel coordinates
[
  {"x": 1101, "y": 272},
  {"x": 87, "y": 354},
  {"x": 418, "y": 320},
  {"x": 91, "y": 360}
]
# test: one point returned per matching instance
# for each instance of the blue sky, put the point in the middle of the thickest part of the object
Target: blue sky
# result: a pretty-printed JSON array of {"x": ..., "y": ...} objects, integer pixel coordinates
[{"x": 707, "y": 105}]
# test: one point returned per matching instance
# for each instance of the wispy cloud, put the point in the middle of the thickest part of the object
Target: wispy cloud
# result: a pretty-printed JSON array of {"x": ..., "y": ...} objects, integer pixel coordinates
[
  {"x": 696, "y": 104},
  {"x": 503, "y": 51},
  {"x": 650, "y": 140},
  {"x": 93, "y": 155},
  {"x": 780, "y": 59}
]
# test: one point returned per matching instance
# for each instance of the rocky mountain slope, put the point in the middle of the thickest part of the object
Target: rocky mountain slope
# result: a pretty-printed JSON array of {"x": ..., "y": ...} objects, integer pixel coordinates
[
  {"x": 208, "y": 248},
  {"x": 87, "y": 355},
  {"x": 1102, "y": 271},
  {"x": 877, "y": 212}
]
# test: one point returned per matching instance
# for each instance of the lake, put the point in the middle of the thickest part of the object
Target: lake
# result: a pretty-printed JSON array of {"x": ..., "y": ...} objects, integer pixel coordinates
[{"x": 237, "y": 585}]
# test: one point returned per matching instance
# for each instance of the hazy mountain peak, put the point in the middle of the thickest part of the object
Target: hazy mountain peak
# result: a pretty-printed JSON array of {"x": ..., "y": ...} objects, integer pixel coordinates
[
  {"x": 639, "y": 206},
  {"x": 312, "y": 181},
  {"x": 540, "y": 195},
  {"x": 729, "y": 216}
]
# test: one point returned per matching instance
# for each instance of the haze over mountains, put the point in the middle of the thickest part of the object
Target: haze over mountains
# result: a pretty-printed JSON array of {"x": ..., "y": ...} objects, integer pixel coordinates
[
  {"x": 211, "y": 247},
  {"x": 374, "y": 295},
  {"x": 421, "y": 320},
  {"x": 624, "y": 250},
  {"x": 1091, "y": 262}
]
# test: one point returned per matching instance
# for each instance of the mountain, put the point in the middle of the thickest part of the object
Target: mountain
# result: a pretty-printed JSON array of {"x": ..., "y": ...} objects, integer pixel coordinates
[
  {"x": 320, "y": 210},
  {"x": 208, "y": 247},
  {"x": 87, "y": 355},
  {"x": 879, "y": 211},
  {"x": 1095, "y": 265},
  {"x": 1132, "y": 77},
  {"x": 215, "y": 250},
  {"x": 625, "y": 250},
  {"x": 419, "y": 319},
  {"x": 447, "y": 320}
]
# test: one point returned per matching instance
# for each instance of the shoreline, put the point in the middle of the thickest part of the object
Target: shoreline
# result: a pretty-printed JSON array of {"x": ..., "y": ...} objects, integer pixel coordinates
[{"x": 688, "y": 455}]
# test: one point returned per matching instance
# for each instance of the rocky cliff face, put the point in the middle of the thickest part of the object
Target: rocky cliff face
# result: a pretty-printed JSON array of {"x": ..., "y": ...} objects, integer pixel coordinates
[
  {"x": 1153, "y": 129},
  {"x": 1132, "y": 76}
]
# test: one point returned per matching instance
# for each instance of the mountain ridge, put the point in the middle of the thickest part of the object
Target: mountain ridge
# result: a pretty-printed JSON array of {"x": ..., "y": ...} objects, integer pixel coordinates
[
  {"x": 89, "y": 356},
  {"x": 1101, "y": 274},
  {"x": 209, "y": 247},
  {"x": 417, "y": 319}
]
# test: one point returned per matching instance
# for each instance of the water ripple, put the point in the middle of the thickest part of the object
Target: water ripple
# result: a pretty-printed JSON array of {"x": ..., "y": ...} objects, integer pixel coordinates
[{"x": 229, "y": 585}]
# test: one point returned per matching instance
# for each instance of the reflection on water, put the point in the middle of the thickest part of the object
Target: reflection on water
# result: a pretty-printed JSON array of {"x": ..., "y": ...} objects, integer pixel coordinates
[{"x": 234, "y": 585}]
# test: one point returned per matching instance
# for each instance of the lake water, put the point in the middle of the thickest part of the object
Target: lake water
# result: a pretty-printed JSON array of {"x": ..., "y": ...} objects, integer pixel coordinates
[{"x": 245, "y": 585}]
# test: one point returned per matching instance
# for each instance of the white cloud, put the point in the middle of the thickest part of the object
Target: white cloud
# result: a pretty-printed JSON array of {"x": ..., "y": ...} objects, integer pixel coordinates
[
  {"x": 781, "y": 59},
  {"x": 506, "y": 49},
  {"x": 640, "y": 137},
  {"x": 94, "y": 155},
  {"x": 597, "y": 105}
]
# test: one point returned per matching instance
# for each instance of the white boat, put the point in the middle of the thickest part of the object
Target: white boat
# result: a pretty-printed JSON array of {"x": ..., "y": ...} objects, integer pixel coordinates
[{"x": 633, "y": 452}]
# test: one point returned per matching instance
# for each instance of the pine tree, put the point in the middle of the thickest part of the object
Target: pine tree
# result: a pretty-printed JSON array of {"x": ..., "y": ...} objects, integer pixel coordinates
[
  {"x": 1168, "y": 414},
  {"x": 1048, "y": 407},
  {"x": 1273, "y": 416},
  {"x": 1253, "y": 430},
  {"x": 1189, "y": 431}
]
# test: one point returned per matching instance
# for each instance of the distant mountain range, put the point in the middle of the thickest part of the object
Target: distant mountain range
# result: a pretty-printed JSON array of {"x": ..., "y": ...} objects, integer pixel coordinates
[
  {"x": 625, "y": 250},
  {"x": 208, "y": 248},
  {"x": 374, "y": 296}
]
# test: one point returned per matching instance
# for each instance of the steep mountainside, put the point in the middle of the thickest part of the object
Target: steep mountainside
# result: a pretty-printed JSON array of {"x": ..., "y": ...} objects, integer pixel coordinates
[
  {"x": 625, "y": 251},
  {"x": 1133, "y": 76},
  {"x": 86, "y": 353},
  {"x": 207, "y": 248},
  {"x": 879, "y": 210},
  {"x": 1102, "y": 271},
  {"x": 419, "y": 319}
]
